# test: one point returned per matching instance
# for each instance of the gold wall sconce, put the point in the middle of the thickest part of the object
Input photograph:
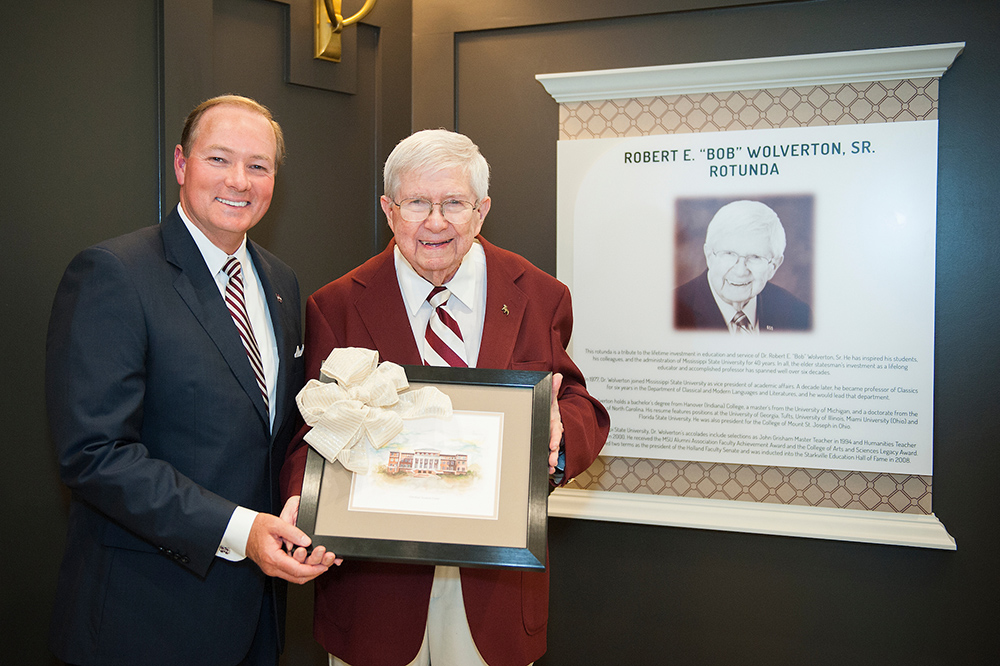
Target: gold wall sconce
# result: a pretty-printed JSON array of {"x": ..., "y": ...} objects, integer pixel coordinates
[{"x": 329, "y": 25}]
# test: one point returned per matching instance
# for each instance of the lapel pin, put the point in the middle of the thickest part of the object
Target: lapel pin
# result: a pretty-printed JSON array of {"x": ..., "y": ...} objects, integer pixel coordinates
[
  {"x": 505, "y": 310},
  {"x": 278, "y": 296}
]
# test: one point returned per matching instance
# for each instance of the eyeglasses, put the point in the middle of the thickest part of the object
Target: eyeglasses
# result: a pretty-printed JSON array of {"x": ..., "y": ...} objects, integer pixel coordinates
[
  {"x": 752, "y": 261},
  {"x": 455, "y": 211}
]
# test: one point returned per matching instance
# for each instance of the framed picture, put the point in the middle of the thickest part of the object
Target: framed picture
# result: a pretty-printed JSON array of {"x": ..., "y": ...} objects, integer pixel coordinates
[{"x": 469, "y": 491}]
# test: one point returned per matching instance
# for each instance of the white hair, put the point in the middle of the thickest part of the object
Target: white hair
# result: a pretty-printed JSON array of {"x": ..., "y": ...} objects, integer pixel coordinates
[
  {"x": 428, "y": 151},
  {"x": 747, "y": 216}
]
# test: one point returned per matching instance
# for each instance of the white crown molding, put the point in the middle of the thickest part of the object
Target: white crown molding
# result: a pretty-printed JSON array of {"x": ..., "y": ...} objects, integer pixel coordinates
[
  {"x": 909, "y": 62},
  {"x": 898, "y": 529}
]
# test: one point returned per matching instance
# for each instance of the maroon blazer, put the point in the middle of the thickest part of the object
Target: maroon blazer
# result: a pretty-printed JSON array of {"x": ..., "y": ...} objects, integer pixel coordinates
[{"x": 373, "y": 614}]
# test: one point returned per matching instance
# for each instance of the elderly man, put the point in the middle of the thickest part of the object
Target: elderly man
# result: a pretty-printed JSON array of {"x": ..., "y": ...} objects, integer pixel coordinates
[
  {"x": 496, "y": 311},
  {"x": 744, "y": 246},
  {"x": 171, "y": 373}
]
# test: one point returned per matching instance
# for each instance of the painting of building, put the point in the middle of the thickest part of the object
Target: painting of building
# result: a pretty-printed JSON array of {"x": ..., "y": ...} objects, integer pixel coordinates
[{"x": 427, "y": 463}]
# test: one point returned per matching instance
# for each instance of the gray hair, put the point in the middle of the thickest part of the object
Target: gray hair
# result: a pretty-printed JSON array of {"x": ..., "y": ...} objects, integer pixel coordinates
[
  {"x": 428, "y": 151},
  {"x": 747, "y": 216}
]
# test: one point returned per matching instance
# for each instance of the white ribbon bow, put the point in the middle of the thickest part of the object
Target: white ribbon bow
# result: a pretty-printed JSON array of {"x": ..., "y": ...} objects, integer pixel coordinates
[{"x": 358, "y": 406}]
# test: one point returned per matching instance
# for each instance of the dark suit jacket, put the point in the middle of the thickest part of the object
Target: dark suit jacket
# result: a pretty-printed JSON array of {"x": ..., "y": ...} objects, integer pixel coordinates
[
  {"x": 373, "y": 614},
  {"x": 777, "y": 309},
  {"x": 161, "y": 431}
]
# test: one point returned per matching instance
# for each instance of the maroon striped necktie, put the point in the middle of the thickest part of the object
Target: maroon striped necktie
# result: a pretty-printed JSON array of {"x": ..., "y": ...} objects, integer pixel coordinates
[
  {"x": 444, "y": 344},
  {"x": 238, "y": 309}
]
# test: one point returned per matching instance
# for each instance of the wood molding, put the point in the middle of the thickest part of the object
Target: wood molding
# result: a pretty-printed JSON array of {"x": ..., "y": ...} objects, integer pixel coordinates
[
  {"x": 811, "y": 69},
  {"x": 897, "y": 529}
]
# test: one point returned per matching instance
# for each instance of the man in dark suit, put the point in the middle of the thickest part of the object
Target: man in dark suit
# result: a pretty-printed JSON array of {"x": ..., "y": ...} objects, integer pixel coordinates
[
  {"x": 744, "y": 246},
  {"x": 503, "y": 313},
  {"x": 171, "y": 413}
]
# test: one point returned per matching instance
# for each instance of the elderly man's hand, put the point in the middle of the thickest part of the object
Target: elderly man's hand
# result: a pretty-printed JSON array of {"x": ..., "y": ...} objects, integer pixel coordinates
[
  {"x": 555, "y": 424},
  {"x": 270, "y": 536}
]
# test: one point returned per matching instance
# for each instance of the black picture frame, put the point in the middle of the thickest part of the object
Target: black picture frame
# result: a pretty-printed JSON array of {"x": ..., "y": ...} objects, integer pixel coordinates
[{"x": 518, "y": 537}]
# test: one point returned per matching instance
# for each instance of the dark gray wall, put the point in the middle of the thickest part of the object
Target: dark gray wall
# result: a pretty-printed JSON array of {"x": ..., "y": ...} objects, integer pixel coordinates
[
  {"x": 634, "y": 594},
  {"x": 81, "y": 97},
  {"x": 94, "y": 97},
  {"x": 79, "y": 133}
]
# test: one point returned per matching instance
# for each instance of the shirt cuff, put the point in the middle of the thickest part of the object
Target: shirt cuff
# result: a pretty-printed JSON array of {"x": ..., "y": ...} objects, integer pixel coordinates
[{"x": 234, "y": 541}]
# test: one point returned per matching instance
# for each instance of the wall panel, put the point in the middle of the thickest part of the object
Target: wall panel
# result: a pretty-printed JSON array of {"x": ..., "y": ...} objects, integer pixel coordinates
[{"x": 640, "y": 594}]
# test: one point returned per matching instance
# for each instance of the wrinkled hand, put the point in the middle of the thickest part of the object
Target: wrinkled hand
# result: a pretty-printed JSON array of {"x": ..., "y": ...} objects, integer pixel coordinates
[
  {"x": 555, "y": 424},
  {"x": 270, "y": 536}
]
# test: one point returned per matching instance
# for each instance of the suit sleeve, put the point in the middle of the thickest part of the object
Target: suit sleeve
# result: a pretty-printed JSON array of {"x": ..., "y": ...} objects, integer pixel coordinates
[
  {"x": 95, "y": 389},
  {"x": 585, "y": 420}
]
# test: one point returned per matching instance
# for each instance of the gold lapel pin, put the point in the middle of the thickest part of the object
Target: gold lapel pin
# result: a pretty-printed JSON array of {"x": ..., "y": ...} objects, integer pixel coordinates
[{"x": 505, "y": 310}]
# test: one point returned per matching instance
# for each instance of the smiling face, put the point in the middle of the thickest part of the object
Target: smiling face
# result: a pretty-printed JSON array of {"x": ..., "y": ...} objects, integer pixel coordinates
[
  {"x": 228, "y": 178},
  {"x": 737, "y": 283},
  {"x": 435, "y": 247}
]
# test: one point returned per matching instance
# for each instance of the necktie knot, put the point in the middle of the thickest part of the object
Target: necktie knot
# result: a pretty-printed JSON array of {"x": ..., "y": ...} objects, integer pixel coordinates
[
  {"x": 233, "y": 268},
  {"x": 438, "y": 296},
  {"x": 742, "y": 322}
]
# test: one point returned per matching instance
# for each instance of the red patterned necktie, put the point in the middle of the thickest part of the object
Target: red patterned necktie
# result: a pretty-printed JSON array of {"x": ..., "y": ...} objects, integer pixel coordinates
[
  {"x": 238, "y": 309},
  {"x": 443, "y": 338}
]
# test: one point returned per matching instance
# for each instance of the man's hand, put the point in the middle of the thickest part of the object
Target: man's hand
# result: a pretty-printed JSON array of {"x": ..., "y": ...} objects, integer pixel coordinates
[
  {"x": 555, "y": 424},
  {"x": 270, "y": 535}
]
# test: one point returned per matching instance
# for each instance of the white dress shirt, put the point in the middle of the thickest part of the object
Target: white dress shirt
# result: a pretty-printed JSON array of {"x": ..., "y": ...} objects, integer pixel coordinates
[
  {"x": 234, "y": 541},
  {"x": 446, "y": 620}
]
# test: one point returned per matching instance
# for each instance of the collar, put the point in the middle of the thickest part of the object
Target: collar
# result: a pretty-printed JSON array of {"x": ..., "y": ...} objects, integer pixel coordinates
[
  {"x": 462, "y": 285},
  {"x": 214, "y": 257}
]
